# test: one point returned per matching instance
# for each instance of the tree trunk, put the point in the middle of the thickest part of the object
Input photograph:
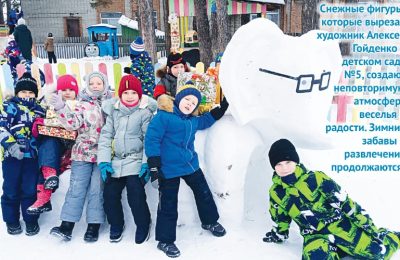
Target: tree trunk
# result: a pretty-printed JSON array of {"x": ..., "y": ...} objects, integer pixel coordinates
[
  {"x": 203, "y": 32},
  {"x": 309, "y": 16},
  {"x": 1, "y": 13},
  {"x": 214, "y": 33},
  {"x": 165, "y": 7},
  {"x": 147, "y": 27},
  {"x": 223, "y": 29},
  {"x": 8, "y": 7}
]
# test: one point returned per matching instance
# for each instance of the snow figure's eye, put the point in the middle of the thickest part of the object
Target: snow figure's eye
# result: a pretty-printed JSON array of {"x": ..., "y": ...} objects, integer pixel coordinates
[
  {"x": 325, "y": 78},
  {"x": 305, "y": 83}
]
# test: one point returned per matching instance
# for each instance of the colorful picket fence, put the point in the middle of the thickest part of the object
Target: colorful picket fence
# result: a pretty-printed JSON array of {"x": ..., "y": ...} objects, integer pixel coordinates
[{"x": 78, "y": 68}]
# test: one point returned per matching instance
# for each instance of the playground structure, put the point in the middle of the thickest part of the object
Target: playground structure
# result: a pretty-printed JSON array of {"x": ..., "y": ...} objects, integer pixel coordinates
[{"x": 102, "y": 41}]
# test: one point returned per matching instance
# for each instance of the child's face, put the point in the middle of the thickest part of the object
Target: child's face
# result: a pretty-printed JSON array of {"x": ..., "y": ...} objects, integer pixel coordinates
[
  {"x": 130, "y": 97},
  {"x": 188, "y": 104},
  {"x": 96, "y": 84},
  {"x": 68, "y": 94},
  {"x": 285, "y": 168},
  {"x": 25, "y": 94},
  {"x": 178, "y": 68}
]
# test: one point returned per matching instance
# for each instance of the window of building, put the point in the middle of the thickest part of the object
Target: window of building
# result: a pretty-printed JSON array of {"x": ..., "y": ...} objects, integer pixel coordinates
[
  {"x": 271, "y": 15},
  {"x": 111, "y": 19},
  {"x": 274, "y": 16}
]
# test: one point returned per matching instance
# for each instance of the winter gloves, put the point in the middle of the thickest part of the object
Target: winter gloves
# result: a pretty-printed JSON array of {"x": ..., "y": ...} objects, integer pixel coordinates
[
  {"x": 144, "y": 174},
  {"x": 273, "y": 237},
  {"x": 15, "y": 151},
  {"x": 56, "y": 101},
  {"x": 38, "y": 121},
  {"x": 218, "y": 112},
  {"x": 155, "y": 172},
  {"x": 106, "y": 171}
]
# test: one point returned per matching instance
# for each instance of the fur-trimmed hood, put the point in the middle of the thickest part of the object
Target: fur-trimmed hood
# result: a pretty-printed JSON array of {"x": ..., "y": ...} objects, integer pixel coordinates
[
  {"x": 166, "y": 103},
  {"x": 161, "y": 72}
]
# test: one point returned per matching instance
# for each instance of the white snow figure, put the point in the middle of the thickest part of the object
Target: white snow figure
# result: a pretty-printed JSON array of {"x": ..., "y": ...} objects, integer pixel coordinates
[{"x": 278, "y": 86}]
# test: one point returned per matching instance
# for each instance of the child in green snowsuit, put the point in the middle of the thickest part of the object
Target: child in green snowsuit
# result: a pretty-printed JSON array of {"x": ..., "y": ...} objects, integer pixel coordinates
[{"x": 331, "y": 223}]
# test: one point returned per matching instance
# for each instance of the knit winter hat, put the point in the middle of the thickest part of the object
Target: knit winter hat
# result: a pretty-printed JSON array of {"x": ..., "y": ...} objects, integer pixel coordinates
[
  {"x": 187, "y": 89},
  {"x": 137, "y": 46},
  {"x": 67, "y": 82},
  {"x": 282, "y": 150},
  {"x": 174, "y": 58},
  {"x": 26, "y": 82},
  {"x": 130, "y": 82},
  {"x": 99, "y": 75},
  {"x": 50, "y": 35},
  {"x": 21, "y": 21}
]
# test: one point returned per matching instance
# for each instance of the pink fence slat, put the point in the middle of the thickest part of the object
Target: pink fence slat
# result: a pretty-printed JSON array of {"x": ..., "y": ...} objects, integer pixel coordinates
[
  {"x": 103, "y": 68},
  {"x": 48, "y": 73}
]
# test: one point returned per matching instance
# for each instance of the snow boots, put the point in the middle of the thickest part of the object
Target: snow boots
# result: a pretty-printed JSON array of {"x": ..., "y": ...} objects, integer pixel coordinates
[
  {"x": 64, "y": 230},
  {"x": 92, "y": 233},
  {"x": 32, "y": 229},
  {"x": 50, "y": 178},
  {"x": 142, "y": 233},
  {"x": 216, "y": 229},
  {"x": 14, "y": 228},
  {"x": 169, "y": 249},
  {"x": 116, "y": 234},
  {"x": 42, "y": 203}
]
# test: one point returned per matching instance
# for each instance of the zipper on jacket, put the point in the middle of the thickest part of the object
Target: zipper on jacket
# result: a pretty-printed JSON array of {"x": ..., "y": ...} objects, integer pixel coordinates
[{"x": 187, "y": 143}]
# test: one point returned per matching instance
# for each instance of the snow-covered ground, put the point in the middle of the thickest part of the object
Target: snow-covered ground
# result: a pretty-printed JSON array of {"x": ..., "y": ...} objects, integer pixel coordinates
[{"x": 377, "y": 192}]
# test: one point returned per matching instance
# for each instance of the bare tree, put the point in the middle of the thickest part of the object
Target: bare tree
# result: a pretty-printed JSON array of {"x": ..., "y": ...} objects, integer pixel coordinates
[
  {"x": 222, "y": 21},
  {"x": 309, "y": 16},
  {"x": 147, "y": 27},
  {"x": 8, "y": 6},
  {"x": 1, "y": 13},
  {"x": 165, "y": 7},
  {"x": 203, "y": 30},
  {"x": 214, "y": 32}
]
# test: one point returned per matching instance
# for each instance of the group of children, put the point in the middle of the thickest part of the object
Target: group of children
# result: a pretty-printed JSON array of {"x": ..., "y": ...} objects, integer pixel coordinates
[
  {"x": 118, "y": 144},
  {"x": 127, "y": 140}
]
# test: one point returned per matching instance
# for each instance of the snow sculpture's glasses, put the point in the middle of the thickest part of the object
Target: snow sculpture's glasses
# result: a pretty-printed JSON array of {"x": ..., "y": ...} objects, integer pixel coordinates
[{"x": 305, "y": 82}]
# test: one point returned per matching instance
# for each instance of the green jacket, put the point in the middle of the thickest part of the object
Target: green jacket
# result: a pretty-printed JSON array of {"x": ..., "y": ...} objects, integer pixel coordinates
[{"x": 315, "y": 202}]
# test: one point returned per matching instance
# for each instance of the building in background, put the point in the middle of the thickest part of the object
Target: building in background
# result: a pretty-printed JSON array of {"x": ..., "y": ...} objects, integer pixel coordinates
[{"x": 70, "y": 18}]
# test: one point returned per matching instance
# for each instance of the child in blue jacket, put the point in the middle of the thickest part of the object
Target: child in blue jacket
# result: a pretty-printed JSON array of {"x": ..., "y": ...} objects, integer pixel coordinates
[
  {"x": 169, "y": 146},
  {"x": 20, "y": 164}
]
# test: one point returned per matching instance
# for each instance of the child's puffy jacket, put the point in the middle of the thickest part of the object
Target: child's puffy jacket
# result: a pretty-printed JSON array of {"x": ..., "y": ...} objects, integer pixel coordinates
[
  {"x": 16, "y": 120},
  {"x": 171, "y": 136},
  {"x": 123, "y": 135},
  {"x": 315, "y": 202},
  {"x": 87, "y": 119}
]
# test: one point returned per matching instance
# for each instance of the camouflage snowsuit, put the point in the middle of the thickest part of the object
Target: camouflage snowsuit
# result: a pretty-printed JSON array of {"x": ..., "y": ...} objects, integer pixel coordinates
[{"x": 329, "y": 221}]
